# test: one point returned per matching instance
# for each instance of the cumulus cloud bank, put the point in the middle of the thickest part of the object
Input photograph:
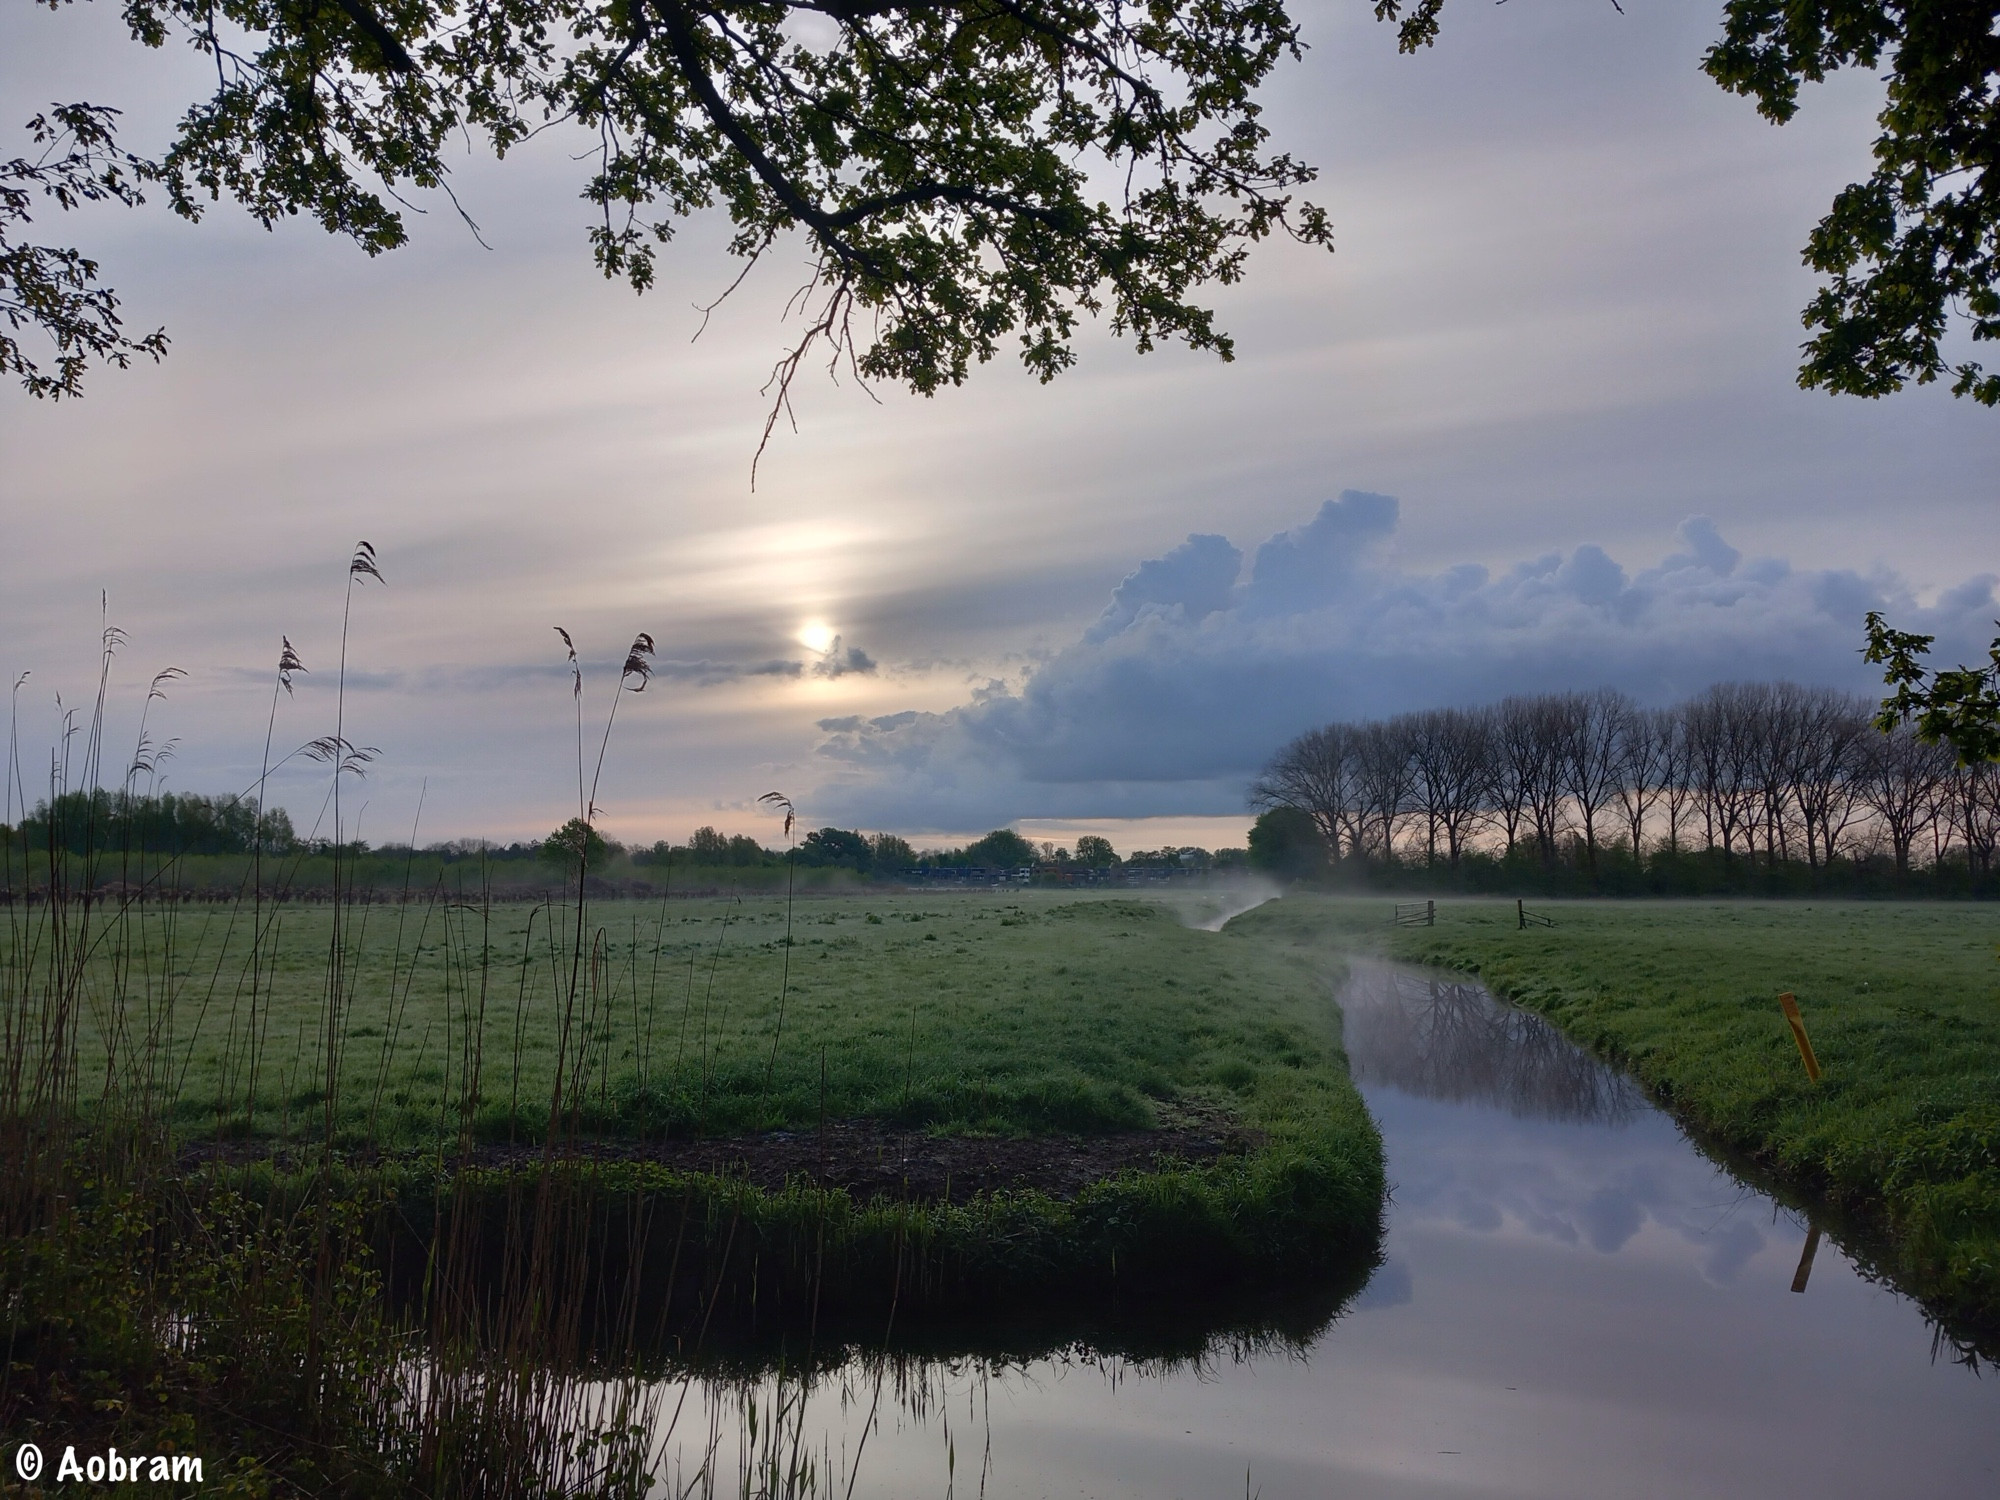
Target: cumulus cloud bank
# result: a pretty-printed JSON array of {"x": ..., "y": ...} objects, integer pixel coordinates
[{"x": 1200, "y": 666}]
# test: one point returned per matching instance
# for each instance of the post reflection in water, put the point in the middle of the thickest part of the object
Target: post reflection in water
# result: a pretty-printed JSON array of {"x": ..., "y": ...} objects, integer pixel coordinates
[{"x": 1576, "y": 1304}]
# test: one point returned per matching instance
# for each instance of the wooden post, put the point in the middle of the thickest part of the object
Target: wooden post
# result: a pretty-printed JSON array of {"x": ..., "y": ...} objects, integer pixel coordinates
[
  {"x": 1790, "y": 1006},
  {"x": 1430, "y": 914},
  {"x": 1521, "y": 914}
]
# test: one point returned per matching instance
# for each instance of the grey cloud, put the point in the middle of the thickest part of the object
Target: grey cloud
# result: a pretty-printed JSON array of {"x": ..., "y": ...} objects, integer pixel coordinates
[
  {"x": 705, "y": 673},
  {"x": 357, "y": 679},
  {"x": 1706, "y": 548},
  {"x": 983, "y": 604},
  {"x": 1190, "y": 678},
  {"x": 499, "y": 676},
  {"x": 701, "y": 671},
  {"x": 840, "y": 662},
  {"x": 1592, "y": 576},
  {"x": 1196, "y": 579},
  {"x": 308, "y": 680},
  {"x": 1317, "y": 562}
]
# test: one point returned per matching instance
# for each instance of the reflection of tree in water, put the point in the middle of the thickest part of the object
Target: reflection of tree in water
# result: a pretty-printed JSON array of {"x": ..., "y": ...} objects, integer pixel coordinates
[{"x": 1444, "y": 1039}]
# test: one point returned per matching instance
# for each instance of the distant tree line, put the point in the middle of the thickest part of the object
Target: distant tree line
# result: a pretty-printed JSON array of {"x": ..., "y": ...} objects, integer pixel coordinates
[
  {"x": 835, "y": 849},
  {"x": 884, "y": 854},
  {"x": 182, "y": 824},
  {"x": 1004, "y": 849},
  {"x": 1746, "y": 776},
  {"x": 709, "y": 849},
  {"x": 102, "y": 821}
]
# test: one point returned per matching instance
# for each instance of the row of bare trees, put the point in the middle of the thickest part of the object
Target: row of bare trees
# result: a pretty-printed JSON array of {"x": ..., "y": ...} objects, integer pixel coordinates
[{"x": 1768, "y": 771}]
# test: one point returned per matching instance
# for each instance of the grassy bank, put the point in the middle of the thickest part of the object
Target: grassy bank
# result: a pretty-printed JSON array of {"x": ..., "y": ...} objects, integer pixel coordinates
[{"x": 1902, "y": 1004}]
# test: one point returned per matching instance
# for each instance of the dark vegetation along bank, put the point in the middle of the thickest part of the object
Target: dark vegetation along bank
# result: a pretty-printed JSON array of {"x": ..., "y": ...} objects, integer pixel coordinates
[
  {"x": 1898, "y": 1142},
  {"x": 359, "y": 1197}
]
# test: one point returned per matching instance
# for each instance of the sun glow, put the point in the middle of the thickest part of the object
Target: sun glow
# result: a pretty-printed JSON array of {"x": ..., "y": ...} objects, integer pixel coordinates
[{"x": 817, "y": 635}]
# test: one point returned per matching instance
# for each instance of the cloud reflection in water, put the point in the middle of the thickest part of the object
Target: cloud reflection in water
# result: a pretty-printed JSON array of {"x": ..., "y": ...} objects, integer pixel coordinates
[
  {"x": 1443, "y": 1039},
  {"x": 1492, "y": 1118}
]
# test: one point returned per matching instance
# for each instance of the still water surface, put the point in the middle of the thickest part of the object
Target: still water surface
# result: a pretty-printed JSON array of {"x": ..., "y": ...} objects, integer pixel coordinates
[{"x": 1575, "y": 1303}]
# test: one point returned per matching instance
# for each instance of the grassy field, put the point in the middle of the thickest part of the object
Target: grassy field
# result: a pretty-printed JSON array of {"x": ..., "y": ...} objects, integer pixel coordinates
[
  {"x": 1017, "y": 1013},
  {"x": 995, "y": 1015},
  {"x": 1902, "y": 1003}
]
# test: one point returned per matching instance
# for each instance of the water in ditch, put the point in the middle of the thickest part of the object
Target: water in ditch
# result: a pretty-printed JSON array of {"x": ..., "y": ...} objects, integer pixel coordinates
[{"x": 1575, "y": 1303}]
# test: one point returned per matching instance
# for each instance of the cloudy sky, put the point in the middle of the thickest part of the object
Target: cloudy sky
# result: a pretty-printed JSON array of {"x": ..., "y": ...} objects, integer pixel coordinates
[{"x": 1533, "y": 425}]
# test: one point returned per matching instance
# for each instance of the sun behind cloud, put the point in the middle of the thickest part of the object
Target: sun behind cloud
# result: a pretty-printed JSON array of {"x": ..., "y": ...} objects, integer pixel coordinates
[{"x": 817, "y": 635}]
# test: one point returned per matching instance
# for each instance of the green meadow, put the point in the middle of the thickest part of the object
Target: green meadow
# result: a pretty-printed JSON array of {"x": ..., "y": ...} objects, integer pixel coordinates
[
  {"x": 964, "y": 1013},
  {"x": 1901, "y": 1002}
]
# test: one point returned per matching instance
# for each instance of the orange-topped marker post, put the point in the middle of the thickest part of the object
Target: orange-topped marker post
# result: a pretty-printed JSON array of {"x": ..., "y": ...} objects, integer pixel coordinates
[{"x": 1789, "y": 1004}]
